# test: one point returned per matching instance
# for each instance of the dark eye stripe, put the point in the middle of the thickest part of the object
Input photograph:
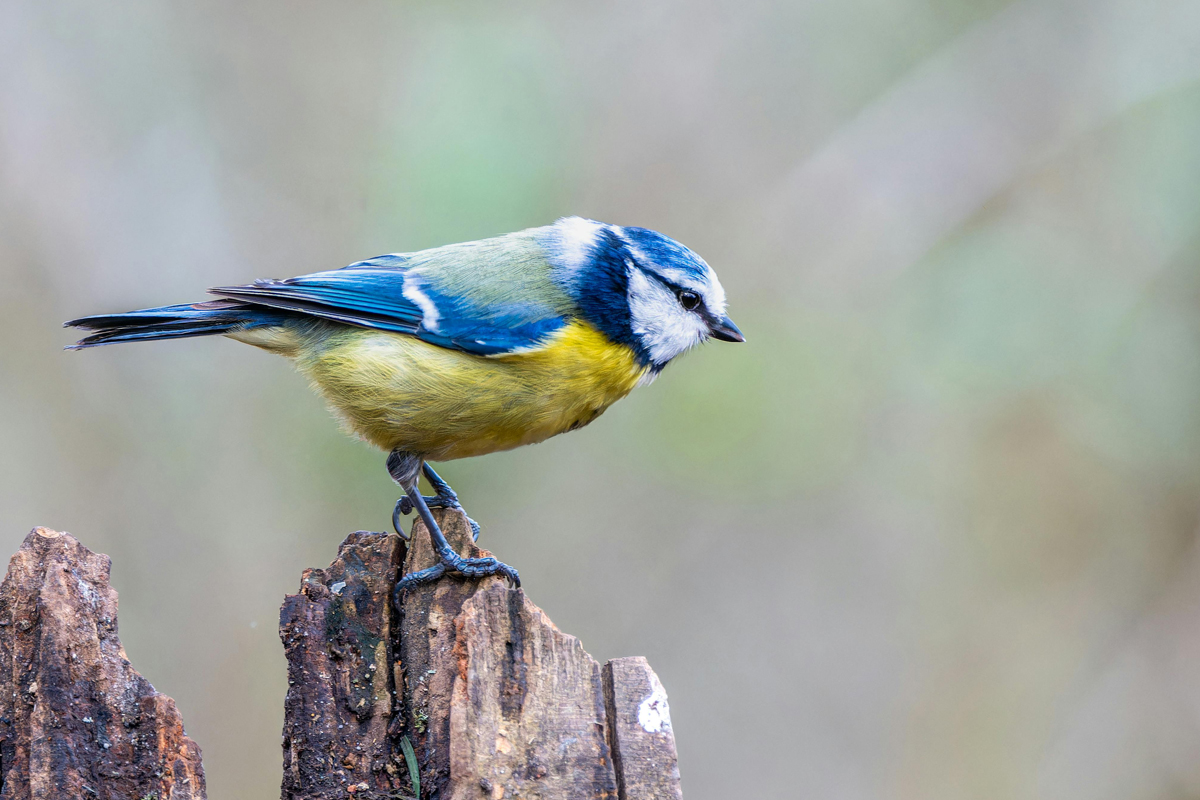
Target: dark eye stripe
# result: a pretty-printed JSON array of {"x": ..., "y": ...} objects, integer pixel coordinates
[{"x": 676, "y": 289}]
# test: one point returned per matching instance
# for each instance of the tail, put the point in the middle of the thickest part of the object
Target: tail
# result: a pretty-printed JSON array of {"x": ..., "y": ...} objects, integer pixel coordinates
[{"x": 174, "y": 322}]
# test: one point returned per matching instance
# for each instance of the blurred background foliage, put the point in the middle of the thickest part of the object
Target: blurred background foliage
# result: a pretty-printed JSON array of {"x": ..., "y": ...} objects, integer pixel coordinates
[{"x": 929, "y": 534}]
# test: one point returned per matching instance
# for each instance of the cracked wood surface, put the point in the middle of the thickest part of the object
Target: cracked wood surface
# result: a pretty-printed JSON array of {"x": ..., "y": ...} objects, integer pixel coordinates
[
  {"x": 76, "y": 720},
  {"x": 639, "y": 731},
  {"x": 527, "y": 713},
  {"x": 495, "y": 700},
  {"x": 339, "y": 636}
]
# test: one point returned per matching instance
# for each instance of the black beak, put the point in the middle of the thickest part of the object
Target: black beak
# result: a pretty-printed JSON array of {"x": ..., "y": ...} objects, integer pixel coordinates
[{"x": 725, "y": 330}]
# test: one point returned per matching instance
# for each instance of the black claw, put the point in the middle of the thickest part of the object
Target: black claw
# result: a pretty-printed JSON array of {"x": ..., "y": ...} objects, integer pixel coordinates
[
  {"x": 396, "y": 512},
  {"x": 405, "y": 507}
]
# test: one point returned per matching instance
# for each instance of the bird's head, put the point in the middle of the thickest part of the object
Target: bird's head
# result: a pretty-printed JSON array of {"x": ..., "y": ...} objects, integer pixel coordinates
[{"x": 640, "y": 288}]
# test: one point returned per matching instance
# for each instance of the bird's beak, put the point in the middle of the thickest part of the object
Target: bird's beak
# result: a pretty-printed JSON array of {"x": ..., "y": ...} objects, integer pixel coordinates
[{"x": 725, "y": 330}]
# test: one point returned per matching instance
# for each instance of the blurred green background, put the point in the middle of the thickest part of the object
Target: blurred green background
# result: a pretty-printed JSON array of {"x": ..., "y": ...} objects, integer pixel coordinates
[{"x": 931, "y": 533}]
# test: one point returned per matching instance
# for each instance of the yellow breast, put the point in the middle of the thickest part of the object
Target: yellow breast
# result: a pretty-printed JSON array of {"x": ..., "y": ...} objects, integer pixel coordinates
[{"x": 396, "y": 391}]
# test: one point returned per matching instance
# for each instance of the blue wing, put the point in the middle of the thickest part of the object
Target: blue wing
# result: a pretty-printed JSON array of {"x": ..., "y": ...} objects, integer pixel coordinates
[
  {"x": 369, "y": 294},
  {"x": 416, "y": 294}
]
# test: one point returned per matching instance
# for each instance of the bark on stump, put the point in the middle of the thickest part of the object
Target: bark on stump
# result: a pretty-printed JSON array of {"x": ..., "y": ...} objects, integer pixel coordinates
[
  {"x": 467, "y": 681},
  {"x": 495, "y": 700},
  {"x": 76, "y": 720}
]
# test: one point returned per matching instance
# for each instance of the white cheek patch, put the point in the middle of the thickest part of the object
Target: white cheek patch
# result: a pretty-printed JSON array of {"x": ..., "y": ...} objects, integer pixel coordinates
[
  {"x": 429, "y": 312},
  {"x": 663, "y": 326}
]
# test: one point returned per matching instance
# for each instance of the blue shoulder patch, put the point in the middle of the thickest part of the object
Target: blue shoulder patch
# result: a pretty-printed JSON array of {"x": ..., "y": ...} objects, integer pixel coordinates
[{"x": 480, "y": 328}]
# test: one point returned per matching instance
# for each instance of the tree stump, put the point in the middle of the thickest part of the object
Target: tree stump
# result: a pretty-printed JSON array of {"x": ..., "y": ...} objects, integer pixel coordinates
[
  {"x": 466, "y": 690},
  {"x": 340, "y": 634},
  {"x": 494, "y": 701},
  {"x": 76, "y": 720}
]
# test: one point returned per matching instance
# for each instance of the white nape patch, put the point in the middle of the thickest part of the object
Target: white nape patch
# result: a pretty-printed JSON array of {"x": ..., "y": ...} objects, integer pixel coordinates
[
  {"x": 665, "y": 328},
  {"x": 654, "y": 715},
  {"x": 576, "y": 237},
  {"x": 429, "y": 312}
]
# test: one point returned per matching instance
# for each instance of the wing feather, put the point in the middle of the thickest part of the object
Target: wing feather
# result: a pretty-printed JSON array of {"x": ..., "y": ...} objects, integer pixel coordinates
[{"x": 485, "y": 298}]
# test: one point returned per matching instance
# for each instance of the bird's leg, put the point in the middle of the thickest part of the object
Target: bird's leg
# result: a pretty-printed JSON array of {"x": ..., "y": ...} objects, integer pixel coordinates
[
  {"x": 404, "y": 468},
  {"x": 451, "y": 561},
  {"x": 444, "y": 497}
]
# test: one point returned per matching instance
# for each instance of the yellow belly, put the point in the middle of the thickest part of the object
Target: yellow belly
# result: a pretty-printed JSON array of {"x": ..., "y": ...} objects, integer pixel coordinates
[{"x": 396, "y": 391}]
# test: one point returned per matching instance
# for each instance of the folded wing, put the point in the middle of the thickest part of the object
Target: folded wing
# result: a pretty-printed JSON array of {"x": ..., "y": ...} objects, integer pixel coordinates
[{"x": 449, "y": 297}]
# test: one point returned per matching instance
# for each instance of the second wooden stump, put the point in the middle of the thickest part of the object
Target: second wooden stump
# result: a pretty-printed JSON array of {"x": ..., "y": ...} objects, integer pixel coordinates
[{"x": 495, "y": 701}]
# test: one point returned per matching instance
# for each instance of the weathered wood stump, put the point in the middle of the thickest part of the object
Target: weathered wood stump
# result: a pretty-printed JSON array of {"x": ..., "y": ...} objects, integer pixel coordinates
[
  {"x": 493, "y": 699},
  {"x": 76, "y": 720},
  {"x": 340, "y": 637},
  {"x": 466, "y": 691}
]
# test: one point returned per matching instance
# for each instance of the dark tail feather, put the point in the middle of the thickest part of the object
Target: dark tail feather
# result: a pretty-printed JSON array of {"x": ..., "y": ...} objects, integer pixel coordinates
[{"x": 172, "y": 322}]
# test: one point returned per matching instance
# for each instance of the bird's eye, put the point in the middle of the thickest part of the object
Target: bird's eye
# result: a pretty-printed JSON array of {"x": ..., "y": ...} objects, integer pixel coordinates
[{"x": 689, "y": 300}]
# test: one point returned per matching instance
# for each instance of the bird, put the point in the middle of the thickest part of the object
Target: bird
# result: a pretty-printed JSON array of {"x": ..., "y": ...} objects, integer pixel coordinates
[{"x": 466, "y": 349}]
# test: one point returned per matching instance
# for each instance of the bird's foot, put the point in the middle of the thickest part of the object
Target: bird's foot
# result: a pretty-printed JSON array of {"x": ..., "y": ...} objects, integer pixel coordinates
[
  {"x": 403, "y": 468},
  {"x": 404, "y": 507},
  {"x": 467, "y": 567}
]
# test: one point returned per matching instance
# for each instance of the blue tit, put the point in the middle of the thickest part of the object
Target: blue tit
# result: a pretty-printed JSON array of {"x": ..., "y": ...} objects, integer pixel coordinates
[{"x": 469, "y": 348}]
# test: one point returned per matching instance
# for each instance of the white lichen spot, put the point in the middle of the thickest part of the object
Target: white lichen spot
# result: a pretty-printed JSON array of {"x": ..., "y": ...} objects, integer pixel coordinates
[
  {"x": 336, "y": 588},
  {"x": 654, "y": 715},
  {"x": 87, "y": 592}
]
